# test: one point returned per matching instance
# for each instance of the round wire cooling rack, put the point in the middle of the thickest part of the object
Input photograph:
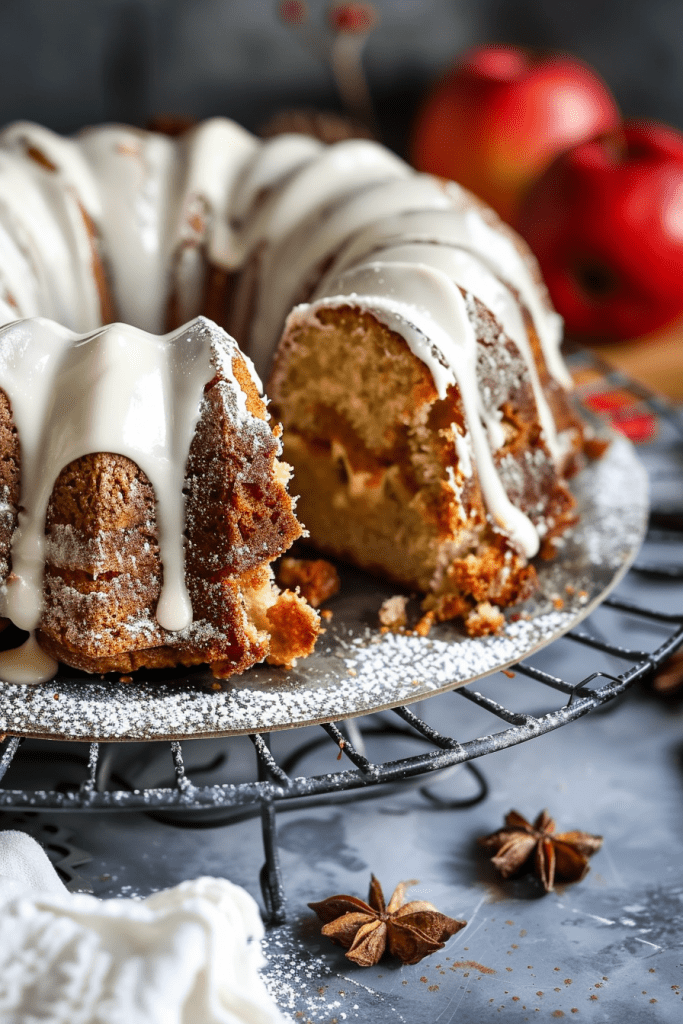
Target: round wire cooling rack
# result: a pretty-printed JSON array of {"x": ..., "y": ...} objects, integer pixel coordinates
[
  {"x": 657, "y": 578},
  {"x": 275, "y": 789},
  {"x": 356, "y": 669}
]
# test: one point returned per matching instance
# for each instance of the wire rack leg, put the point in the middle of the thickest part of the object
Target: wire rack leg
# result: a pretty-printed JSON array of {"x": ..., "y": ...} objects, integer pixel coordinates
[
  {"x": 270, "y": 876},
  {"x": 272, "y": 887}
]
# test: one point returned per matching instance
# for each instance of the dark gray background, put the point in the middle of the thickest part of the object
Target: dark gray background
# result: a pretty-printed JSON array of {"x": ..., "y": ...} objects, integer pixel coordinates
[
  {"x": 609, "y": 948},
  {"x": 67, "y": 63}
]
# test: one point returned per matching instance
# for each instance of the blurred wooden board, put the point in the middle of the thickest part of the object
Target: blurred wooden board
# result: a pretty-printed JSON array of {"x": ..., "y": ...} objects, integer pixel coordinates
[{"x": 655, "y": 361}]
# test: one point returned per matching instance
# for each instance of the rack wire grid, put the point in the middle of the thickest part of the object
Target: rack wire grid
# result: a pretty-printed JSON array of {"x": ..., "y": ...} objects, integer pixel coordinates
[{"x": 274, "y": 788}]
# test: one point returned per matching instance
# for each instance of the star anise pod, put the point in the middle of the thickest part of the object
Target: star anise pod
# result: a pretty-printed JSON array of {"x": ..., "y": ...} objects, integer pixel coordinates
[
  {"x": 553, "y": 855},
  {"x": 410, "y": 930}
]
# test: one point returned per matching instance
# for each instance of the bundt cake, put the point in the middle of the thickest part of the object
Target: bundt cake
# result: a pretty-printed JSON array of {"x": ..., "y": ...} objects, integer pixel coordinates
[{"x": 425, "y": 404}]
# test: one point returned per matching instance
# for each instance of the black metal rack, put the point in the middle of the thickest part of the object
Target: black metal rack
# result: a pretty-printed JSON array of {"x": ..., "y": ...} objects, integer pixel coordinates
[{"x": 274, "y": 787}]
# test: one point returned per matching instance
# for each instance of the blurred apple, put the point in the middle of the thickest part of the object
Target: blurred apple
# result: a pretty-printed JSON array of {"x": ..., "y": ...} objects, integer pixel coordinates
[
  {"x": 500, "y": 117},
  {"x": 606, "y": 223}
]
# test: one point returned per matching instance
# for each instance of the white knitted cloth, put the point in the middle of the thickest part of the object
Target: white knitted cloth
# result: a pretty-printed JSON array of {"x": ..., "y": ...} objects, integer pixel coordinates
[{"x": 188, "y": 955}]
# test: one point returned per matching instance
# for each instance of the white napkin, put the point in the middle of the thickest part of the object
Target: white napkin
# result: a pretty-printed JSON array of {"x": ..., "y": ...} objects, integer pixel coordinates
[{"x": 188, "y": 955}]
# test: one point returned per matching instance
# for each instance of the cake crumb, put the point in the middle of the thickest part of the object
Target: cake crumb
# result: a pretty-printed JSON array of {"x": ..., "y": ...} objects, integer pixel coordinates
[
  {"x": 317, "y": 579},
  {"x": 484, "y": 620},
  {"x": 425, "y": 623},
  {"x": 595, "y": 447},
  {"x": 392, "y": 614}
]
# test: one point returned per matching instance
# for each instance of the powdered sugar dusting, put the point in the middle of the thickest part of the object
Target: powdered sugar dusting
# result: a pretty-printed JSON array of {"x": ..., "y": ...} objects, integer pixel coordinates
[
  {"x": 306, "y": 988},
  {"x": 355, "y": 669}
]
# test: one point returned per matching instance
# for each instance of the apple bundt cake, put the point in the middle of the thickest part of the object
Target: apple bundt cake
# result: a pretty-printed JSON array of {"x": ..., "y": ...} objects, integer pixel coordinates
[{"x": 411, "y": 356}]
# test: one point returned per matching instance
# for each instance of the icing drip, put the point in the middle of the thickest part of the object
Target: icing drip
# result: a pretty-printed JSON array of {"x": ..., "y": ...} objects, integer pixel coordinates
[
  {"x": 65, "y": 156},
  {"x": 139, "y": 182},
  {"x": 298, "y": 258},
  {"x": 428, "y": 310},
  {"x": 471, "y": 271},
  {"x": 466, "y": 227},
  {"x": 17, "y": 273},
  {"x": 142, "y": 400},
  {"x": 503, "y": 253},
  {"x": 215, "y": 153},
  {"x": 28, "y": 664},
  {"x": 337, "y": 170},
  {"x": 167, "y": 213},
  {"x": 149, "y": 197},
  {"x": 159, "y": 204},
  {"x": 272, "y": 163},
  {"x": 47, "y": 255}
]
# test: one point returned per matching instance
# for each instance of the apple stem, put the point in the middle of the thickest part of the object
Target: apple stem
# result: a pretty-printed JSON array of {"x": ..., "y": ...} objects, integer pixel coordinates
[
  {"x": 347, "y": 69},
  {"x": 341, "y": 47}
]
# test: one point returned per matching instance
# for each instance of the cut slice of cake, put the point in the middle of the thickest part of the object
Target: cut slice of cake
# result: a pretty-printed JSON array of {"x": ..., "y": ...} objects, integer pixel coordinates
[{"x": 412, "y": 421}]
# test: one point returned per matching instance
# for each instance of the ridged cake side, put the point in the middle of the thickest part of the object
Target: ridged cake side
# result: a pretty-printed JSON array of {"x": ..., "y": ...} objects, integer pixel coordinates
[{"x": 106, "y": 558}]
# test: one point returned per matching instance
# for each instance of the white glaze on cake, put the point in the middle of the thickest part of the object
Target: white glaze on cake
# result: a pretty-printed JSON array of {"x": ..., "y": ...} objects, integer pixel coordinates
[
  {"x": 138, "y": 177},
  {"x": 161, "y": 205},
  {"x": 466, "y": 226},
  {"x": 333, "y": 172},
  {"x": 64, "y": 154},
  {"x": 119, "y": 390},
  {"x": 45, "y": 251},
  {"x": 162, "y": 211},
  {"x": 210, "y": 157},
  {"x": 470, "y": 271},
  {"x": 214, "y": 154},
  {"x": 304, "y": 251},
  {"x": 271, "y": 164}
]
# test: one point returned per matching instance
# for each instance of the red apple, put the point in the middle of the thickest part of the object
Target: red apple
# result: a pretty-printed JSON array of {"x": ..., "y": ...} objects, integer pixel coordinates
[
  {"x": 500, "y": 117},
  {"x": 606, "y": 223}
]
